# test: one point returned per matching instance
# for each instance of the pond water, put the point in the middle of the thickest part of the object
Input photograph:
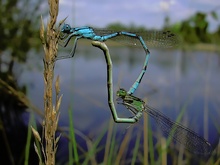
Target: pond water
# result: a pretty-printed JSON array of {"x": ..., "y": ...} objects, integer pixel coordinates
[{"x": 175, "y": 82}]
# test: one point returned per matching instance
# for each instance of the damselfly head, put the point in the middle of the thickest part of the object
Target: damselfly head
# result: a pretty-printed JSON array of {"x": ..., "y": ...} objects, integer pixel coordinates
[
  {"x": 121, "y": 93},
  {"x": 66, "y": 28}
]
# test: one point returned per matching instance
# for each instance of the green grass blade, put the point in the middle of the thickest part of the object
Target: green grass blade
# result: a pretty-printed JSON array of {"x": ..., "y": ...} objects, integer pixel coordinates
[
  {"x": 93, "y": 149},
  {"x": 71, "y": 160},
  {"x": 135, "y": 152},
  {"x": 72, "y": 137},
  {"x": 112, "y": 147},
  {"x": 123, "y": 146},
  {"x": 108, "y": 140},
  {"x": 151, "y": 146},
  {"x": 28, "y": 142},
  {"x": 146, "y": 128}
]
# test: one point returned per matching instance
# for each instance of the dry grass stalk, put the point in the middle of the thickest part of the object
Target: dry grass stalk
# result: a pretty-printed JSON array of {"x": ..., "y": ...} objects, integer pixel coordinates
[
  {"x": 21, "y": 97},
  {"x": 51, "y": 113}
]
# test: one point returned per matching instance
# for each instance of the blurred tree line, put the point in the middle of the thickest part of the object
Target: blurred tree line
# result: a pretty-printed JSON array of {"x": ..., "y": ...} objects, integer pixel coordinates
[
  {"x": 192, "y": 30},
  {"x": 195, "y": 29}
]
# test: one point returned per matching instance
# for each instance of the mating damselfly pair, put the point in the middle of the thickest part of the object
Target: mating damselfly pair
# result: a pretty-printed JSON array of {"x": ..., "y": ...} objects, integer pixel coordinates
[
  {"x": 192, "y": 141},
  {"x": 154, "y": 38}
]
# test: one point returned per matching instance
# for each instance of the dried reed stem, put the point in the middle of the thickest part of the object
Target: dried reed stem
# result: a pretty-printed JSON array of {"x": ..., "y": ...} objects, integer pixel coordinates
[{"x": 51, "y": 114}]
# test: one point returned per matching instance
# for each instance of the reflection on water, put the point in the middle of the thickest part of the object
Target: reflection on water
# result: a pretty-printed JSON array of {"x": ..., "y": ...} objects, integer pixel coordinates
[{"x": 174, "y": 81}]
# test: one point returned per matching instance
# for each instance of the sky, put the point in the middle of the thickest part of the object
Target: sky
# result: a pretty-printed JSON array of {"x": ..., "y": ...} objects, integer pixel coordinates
[{"x": 147, "y": 13}]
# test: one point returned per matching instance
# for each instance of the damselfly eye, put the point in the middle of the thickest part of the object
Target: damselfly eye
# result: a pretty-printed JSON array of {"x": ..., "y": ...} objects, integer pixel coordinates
[{"x": 66, "y": 28}]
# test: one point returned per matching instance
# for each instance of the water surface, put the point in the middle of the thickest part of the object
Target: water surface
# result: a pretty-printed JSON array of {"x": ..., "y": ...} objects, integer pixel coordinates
[{"x": 174, "y": 81}]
